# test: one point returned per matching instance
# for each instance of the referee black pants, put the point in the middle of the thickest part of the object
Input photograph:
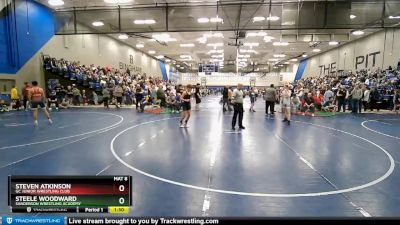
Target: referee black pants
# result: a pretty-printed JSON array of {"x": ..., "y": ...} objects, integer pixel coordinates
[{"x": 238, "y": 111}]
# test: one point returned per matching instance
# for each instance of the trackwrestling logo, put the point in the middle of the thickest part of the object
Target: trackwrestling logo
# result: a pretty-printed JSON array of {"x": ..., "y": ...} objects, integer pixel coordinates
[{"x": 21, "y": 220}]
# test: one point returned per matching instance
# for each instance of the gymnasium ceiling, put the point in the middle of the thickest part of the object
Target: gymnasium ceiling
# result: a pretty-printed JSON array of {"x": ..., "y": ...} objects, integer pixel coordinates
[{"x": 304, "y": 24}]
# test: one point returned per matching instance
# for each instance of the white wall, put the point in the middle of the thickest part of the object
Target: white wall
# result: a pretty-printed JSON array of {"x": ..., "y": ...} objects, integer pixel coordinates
[
  {"x": 386, "y": 42},
  {"x": 229, "y": 79},
  {"x": 88, "y": 49}
]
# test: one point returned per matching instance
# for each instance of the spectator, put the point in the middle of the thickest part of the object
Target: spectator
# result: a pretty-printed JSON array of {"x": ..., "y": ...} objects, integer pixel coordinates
[
  {"x": 225, "y": 99},
  {"x": 52, "y": 99},
  {"x": 160, "y": 95},
  {"x": 85, "y": 100},
  {"x": 328, "y": 96},
  {"x": 70, "y": 94},
  {"x": 397, "y": 100},
  {"x": 296, "y": 103},
  {"x": 95, "y": 98},
  {"x": 76, "y": 96},
  {"x": 25, "y": 91},
  {"x": 318, "y": 99},
  {"x": 118, "y": 92},
  {"x": 171, "y": 102},
  {"x": 64, "y": 103},
  {"x": 365, "y": 99},
  {"x": 308, "y": 105},
  {"x": 138, "y": 95},
  {"x": 270, "y": 98},
  {"x": 106, "y": 97},
  {"x": 356, "y": 96},
  {"x": 374, "y": 99},
  {"x": 15, "y": 104},
  {"x": 341, "y": 98}
]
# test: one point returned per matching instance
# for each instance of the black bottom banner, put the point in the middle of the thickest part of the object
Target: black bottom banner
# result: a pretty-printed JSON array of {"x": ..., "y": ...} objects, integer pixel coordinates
[{"x": 212, "y": 221}]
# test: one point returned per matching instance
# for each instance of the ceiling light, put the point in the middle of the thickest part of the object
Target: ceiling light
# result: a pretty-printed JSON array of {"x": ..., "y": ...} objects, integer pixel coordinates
[
  {"x": 333, "y": 43},
  {"x": 251, "y": 44},
  {"x": 216, "y": 20},
  {"x": 273, "y": 18},
  {"x": 98, "y": 23},
  {"x": 203, "y": 20},
  {"x": 123, "y": 36},
  {"x": 243, "y": 56},
  {"x": 152, "y": 52},
  {"x": 279, "y": 56},
  {"x": 139, "y": 45},
  {"x": 160, "y": 57},
  {"x": 163, "y": 37},
  {"x": 148, "y": 21},
  {"x": 256, "y": 34},
  {"x": 268, "y": 38},
  {"x": 273, "y": 60},
  {"x": 202, "y": 40},
  {"x": 352, "y": 17},
  {"x": 217, "y": 56},
  {"x": 215, "y": 51},
  {"x": 286, "y": 63},
  {"x": 215, "y": 44},
  {"x": 358, "y": 32},
  {"x": 167, "y": 60},
  {"x": 185, "y": 56},
  {"x": 394, "y": 17},
  {"x": 316, "y": 50},
  {"x": 293, "y": 60},
  {"x": 280, "y": 44},
  {"x": 117, "y": 1},
  {"x": 188, "y": 45},
  {"x": 304, "y": 55},
  {"x": 56, "y": 2},
  {"x": 258, "y": 19},
  {"x": 248, "y": 51},
  {"x": 210, "y": 35}
]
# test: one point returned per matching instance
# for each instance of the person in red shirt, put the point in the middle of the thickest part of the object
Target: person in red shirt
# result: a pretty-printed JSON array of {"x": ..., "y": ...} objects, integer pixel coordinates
[
  {"x": 25, "y": 92},
  {"x": 318, "y": 99},
  {"x": 36, "y": 97}
]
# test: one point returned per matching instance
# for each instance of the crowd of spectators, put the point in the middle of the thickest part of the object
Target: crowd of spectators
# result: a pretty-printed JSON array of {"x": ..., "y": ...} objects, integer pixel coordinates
[
  {"x": 364, "y": 90},
  {"x": 93, "y": 85},
  {"x": 108, "y": 85}
]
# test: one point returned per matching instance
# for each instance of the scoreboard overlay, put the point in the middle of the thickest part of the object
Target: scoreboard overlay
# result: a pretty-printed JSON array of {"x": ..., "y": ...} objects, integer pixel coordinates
[{"x": 89, "y": 194}]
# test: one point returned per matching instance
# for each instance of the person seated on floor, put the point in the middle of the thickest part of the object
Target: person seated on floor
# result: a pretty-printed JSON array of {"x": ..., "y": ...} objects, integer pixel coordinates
[
  {"x": 146, "y": 101},
  {"x": 52, "y": 99},
  {"x": 171, "y": 102},
  {"x": 329, "y": 107},
  {"x": 318, "y": 99},
  {"x": 64, "y": 103},
  {"x": 178, "y": 102},
  {"x": 308, "y": 105}
]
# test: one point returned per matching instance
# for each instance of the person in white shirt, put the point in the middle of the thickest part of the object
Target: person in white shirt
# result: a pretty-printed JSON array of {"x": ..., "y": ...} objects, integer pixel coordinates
[
  {"x": 237, "y": 100},
  {"x": 285, "y": 95}
]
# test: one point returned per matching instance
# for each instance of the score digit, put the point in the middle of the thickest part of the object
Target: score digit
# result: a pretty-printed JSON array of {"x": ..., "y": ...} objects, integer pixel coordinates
[
  {"x": 121, "y": 201},
  {"x": 121, "y": 188}
]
